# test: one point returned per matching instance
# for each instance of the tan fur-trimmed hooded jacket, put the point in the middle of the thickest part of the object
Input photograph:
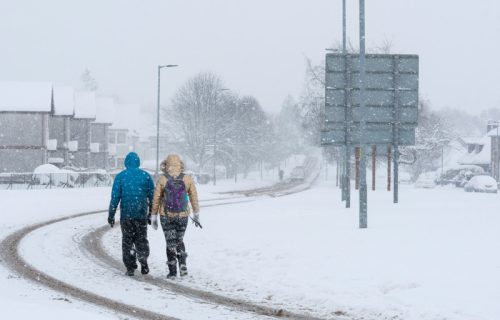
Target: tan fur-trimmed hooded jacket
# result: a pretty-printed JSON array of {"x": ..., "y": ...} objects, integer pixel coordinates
[{"x": 174, "y": 166}]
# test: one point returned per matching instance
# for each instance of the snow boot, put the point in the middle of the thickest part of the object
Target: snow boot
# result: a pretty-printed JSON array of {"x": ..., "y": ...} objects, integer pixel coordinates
[
  {"x": 172, "y": 271},
  {"x": 144, "y": 268},
  {"x": 130, "y": 272},
  {"x": 183, "y": 271}
]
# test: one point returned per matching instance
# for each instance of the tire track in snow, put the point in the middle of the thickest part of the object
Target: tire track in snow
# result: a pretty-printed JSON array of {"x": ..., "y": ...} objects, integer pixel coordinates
[
  {"x": 93, "y": 243},
  {"x": 9, "y": 251}
]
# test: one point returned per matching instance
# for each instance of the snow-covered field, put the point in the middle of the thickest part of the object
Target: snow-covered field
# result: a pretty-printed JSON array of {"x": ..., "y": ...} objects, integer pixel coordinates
[{"x": 433, "y": 256}]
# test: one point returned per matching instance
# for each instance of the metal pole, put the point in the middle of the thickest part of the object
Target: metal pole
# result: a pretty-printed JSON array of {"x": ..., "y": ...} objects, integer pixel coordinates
[
  {"x": 215, "y": 133},
  {"x": 215, "y": 138},
  {"x": 343, "y": 27},
  {"x": 337, "y": 171},
  {"x": 396, "y": 174},
  {"x": 396, "y": 131},
  {"x": 374, "y": 166},
  {"x": 496, "y": 155},
  {"x": 236, "y": 164},
  {"x": 341, "y": 160},
  {"x": 261, "y": 173},
  {"x": 442, "y": 159},
  {"x": 389, "y": 154},
  {"x": 357, "y": 156},
  {"x": 158, "y": 128},
  {"x": 347, "y": 163},
  {"x": 363, "y": 194}
]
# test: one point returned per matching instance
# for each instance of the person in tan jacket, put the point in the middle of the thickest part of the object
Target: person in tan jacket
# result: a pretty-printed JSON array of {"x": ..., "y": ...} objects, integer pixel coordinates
[{"x": 174, "y": 190}]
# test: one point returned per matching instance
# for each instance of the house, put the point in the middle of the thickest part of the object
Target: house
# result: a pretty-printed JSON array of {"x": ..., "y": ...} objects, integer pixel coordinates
[
  {"x": 494, "y": 136},
  {"x": 478, "y": 153},
  {"x": 25, "y": 108},
  {"x": 127, "y": 133},
  {"x": 80, "y": 132},
  {"x": 59, "y": 126},
  {"x": 99, "y": 145}
]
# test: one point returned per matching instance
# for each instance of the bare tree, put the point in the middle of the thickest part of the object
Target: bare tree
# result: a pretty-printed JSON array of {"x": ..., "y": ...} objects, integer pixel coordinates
[
  {"x": 207, "y": 119},
  {"x": 193, "y": 114},
  {"x": 89, "y": 83}
]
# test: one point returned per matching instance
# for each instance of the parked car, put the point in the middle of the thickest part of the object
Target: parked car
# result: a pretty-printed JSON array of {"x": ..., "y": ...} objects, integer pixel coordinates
[
  {"x": 426, "y": 180},
  {"x": 48, "y": 174},
  {"x": 298, "y": 174},
  {"x": 404, "y": 177},
  {"x": 458, "y": 175},
  {"x": 201, "y": 178},
  {"x": 481, "y": 183}
]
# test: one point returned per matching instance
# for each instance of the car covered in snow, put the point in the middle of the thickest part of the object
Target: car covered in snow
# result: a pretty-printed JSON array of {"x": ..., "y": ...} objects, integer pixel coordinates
[
  {"x": 426, "y": 180},
  {"x": 458, "y": 175},
  {"x": 50, "y": 175},
  {"x": 198, "y": 177},
  {"x": 481, "y": 183},
  {"x": 298, "y": 173}
]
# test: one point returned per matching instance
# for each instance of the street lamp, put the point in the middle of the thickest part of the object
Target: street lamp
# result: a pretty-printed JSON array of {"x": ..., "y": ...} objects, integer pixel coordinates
[
  {"x": 236, "y": 147},
  {"x": 215, "y": 126},
  {"x": 158, "y": 120}
]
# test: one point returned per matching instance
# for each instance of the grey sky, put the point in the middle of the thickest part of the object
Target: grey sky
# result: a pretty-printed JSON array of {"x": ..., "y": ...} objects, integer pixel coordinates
[{"x": 257, "y": 47}]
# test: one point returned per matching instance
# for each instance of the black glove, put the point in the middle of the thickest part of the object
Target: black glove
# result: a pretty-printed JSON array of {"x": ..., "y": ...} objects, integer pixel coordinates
[
  {"x": 111, "y": 222},
  {"x": 149, "y": 218}
]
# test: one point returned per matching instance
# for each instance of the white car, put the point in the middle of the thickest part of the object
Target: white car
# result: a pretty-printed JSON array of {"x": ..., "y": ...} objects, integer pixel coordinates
[
  {"x": 298, "y": 174},
  {"x": 481, "y": 183},
  {"x": 426, "y": 180}
]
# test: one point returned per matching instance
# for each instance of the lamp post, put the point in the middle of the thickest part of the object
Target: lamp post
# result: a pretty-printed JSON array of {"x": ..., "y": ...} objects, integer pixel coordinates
[
  {"x": 236, "y": 146},
  {"x": 158, "y": 120},
  {"x": 215, "y": 127}
]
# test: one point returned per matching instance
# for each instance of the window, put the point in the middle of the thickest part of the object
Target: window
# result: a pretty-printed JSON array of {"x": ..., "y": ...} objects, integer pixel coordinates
[
  {"x": 121, "y": 138},
  {"x": 112, "y": 138}
]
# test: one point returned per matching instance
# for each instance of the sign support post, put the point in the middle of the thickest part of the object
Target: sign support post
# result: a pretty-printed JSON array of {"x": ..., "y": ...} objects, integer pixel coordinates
[{"x": 363, "y": 192}]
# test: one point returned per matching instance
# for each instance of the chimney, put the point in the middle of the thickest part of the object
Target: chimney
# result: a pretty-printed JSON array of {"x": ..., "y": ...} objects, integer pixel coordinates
[{"x": 492, "y": 124}]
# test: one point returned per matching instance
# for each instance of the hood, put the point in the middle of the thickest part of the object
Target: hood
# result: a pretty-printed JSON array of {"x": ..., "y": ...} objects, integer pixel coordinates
[
  {"x": 132, "y": 161},
  {"x": 172, "y": 165}
]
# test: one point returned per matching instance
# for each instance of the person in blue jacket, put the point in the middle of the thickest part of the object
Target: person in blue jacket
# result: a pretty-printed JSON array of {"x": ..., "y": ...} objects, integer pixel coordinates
[{"x": 133, "y": 190}]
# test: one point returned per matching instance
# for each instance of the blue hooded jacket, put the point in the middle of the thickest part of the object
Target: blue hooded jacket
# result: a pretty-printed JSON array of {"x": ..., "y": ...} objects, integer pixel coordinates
[{"x": 133, "y": 189}]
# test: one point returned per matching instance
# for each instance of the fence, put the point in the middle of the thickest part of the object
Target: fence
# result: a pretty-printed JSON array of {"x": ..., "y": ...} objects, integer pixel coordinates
[{"x": 12, "y": 181}]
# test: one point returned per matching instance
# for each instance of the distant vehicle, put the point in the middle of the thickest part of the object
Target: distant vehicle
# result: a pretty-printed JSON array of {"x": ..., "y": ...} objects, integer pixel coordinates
[
  {"x": 426, "y": 180},
  {"x": 201, "y": 178},
  {"x": 481, "y": 183},
  {"x": 459, "y": 175},
  {"x": 48, "y": 174},
  {"x": 298, "y": 174},
  {"x": 404, "y": 177}
]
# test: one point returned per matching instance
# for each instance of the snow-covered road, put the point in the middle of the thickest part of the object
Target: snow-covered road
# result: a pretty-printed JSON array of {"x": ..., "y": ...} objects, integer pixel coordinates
[{"x": 57, "y": 250}]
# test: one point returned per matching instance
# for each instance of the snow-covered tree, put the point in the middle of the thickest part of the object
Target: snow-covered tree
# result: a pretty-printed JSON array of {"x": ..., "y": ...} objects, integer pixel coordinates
[{"x": 89, "y": 83}]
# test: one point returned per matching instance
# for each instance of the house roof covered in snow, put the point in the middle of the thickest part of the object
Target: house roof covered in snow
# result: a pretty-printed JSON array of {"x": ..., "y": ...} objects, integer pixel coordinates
[
  {"x": 482, "y": 157},
  {"x": 105, "y": 110},
  {"x": 478, "y": 141},
  {"x": 130, "y": 117},
  {"x": 25, "y": 96},
  {"x": 64, "y": 101},
  {"x": 85, "y": 105}
]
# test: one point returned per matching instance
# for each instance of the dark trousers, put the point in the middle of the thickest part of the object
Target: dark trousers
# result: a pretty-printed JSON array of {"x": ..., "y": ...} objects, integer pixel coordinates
[
  {"x": 174, "y": 229},
  {"x": 135, "y": 245}
]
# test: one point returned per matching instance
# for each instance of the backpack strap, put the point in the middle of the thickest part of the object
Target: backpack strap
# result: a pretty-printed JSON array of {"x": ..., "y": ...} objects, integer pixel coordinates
[{"x": 169, "y": 177}]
